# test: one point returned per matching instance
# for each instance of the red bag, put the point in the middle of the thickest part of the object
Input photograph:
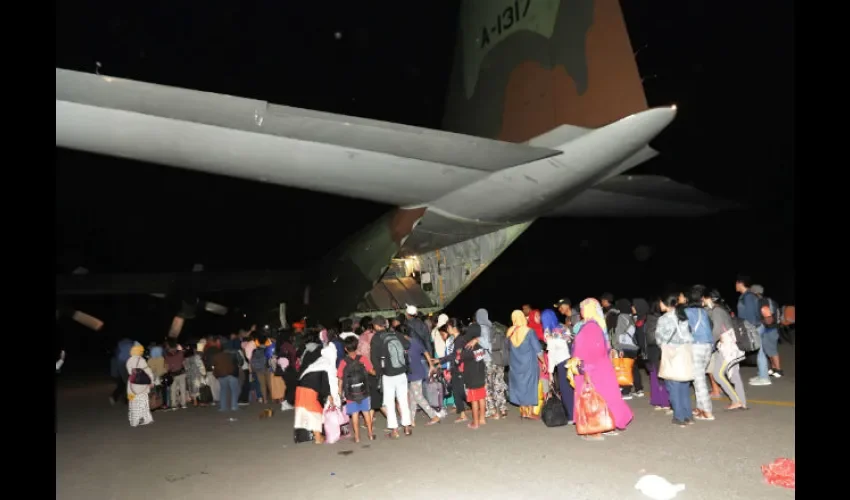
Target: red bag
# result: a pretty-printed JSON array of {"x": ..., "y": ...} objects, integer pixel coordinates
[
  {"x": 592, "y": 415},
  {"x": 781, "y": 472},
  {"x": 789, "y": 315}
]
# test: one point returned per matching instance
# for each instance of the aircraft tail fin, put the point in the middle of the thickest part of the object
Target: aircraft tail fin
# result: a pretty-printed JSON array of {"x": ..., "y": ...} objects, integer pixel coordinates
[{"x": 525, "y": 67}]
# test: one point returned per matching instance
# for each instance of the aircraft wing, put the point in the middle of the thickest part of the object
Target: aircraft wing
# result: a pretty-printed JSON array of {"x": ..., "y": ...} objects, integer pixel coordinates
[
  {"x": 641, "y": 196},
  {"x": 252, "y": 139},
  {"x": 163, "y": 283}
]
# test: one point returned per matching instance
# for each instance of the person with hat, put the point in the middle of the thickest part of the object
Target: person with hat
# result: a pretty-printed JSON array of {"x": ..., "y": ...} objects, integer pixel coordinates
[
  {"x": 571, "y": 316},
  {"x": 139, "y": 384},
  {"x": 437, "y": 337},
  {"x": 417, "y": 328}
]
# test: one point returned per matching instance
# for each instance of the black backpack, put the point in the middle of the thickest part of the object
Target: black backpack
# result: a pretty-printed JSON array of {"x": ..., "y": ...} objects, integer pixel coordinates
[
  {"x": 746, "y": 335},
  {"x": 649, "y": 329},
  {"x": 355, "y": 384},
  {"x": 499, "y": 354}
]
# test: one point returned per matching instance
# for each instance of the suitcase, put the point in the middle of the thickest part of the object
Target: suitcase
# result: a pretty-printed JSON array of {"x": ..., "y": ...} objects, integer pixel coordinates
[{"x": 434, "y": 393}]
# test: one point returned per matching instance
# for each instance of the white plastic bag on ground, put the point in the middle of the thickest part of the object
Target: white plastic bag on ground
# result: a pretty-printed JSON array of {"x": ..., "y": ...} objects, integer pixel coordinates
[{"x": 658, "y": 488}]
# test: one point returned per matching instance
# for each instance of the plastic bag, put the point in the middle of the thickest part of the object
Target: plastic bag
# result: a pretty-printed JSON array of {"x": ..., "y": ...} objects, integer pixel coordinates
[
  {"x": 781, "y": 472},
  {"x": 345, "y": 429},
  {"x": 592, "y": 415},
  {"x": 333, "y": 420}
]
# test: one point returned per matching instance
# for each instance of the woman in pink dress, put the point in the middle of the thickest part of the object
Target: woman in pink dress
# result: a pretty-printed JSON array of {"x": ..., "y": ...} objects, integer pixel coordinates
[{"x": 590, "y": 347}]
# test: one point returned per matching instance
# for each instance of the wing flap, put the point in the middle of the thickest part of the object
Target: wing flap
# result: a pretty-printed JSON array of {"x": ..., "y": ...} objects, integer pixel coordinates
[{"x": 642, "y": 196}]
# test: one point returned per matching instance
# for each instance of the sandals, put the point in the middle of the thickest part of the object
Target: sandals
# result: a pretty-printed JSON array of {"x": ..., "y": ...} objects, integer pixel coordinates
[
  {"x": 408, "y": 431},
  {"x": 703, "y": 417},
  {"x": 736, "y": 408}
]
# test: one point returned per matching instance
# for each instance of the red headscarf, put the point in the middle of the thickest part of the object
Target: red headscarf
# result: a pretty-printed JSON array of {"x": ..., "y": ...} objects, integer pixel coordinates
[{"x": 535, "y": 324}]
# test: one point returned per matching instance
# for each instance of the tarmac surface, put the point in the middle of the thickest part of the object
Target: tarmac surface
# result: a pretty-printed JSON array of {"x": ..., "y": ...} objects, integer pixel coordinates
[{"x": 201, "y": 453}]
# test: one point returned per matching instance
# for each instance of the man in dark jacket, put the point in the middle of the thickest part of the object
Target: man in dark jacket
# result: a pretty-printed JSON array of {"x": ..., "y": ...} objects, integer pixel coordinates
[
  {"x": 769, "y": 327},
  {"x": 748, "y": 310},
  {"x": 417, "y": 328},
  {"x": 226, "y": 370}
]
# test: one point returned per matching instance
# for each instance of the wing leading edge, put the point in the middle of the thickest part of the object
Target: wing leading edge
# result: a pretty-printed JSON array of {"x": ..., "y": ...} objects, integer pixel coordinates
[{"x": 255, "y": 140}]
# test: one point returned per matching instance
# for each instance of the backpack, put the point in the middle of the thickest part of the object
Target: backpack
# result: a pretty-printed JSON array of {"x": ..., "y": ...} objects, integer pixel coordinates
[
  {"x": 649, "y": 329},
  {"x": 241, "y": 362},
  {"x": 746, "y": 335},
  {"x": 355, "y": 385},
  {"x": 702, "y": 329},
  {"x": 395, "y": 355},
  {"x": 258, "y": 361},
  {"x": 627, "y": 338},
  {"x": 767, "y": 311},
  {"x": 499, "y": 354}
]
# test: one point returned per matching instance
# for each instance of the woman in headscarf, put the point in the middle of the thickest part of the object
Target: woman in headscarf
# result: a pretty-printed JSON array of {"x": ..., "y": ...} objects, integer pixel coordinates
[
  {"x": 557, "y": 342},
  {"x": 312, "y": 350},
  {"x": 673, "y": 330},
  {"x": 592, "y": 349},
  {"x": 286, "y": 351},
  {"x": 526, "y": 356},
  {"x": 628, "y": 340},
  {"x": 497, "y": 405},
  {"x": 137, "y": 394},
  {"x": 317, "y": 387},
  {"x": 535, "y": 324},
  {"x": 659, "y": 398},
  {"x": 195, "y": 373}
]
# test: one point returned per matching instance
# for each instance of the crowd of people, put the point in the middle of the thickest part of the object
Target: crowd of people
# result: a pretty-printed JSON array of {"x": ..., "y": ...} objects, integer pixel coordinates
[{"x": 393, "y": 367}]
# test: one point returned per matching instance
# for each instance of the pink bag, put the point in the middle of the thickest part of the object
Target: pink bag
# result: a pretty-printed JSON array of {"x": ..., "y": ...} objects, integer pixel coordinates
[{"x": 334, "y": 419}]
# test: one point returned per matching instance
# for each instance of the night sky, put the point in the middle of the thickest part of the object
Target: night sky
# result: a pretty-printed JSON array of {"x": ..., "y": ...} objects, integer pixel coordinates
[{"x": 730, "y": 71}]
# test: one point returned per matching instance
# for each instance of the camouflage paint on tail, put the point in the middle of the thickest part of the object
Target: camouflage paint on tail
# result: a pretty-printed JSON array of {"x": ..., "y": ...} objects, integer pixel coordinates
[{"x": 524, "y": 67}]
